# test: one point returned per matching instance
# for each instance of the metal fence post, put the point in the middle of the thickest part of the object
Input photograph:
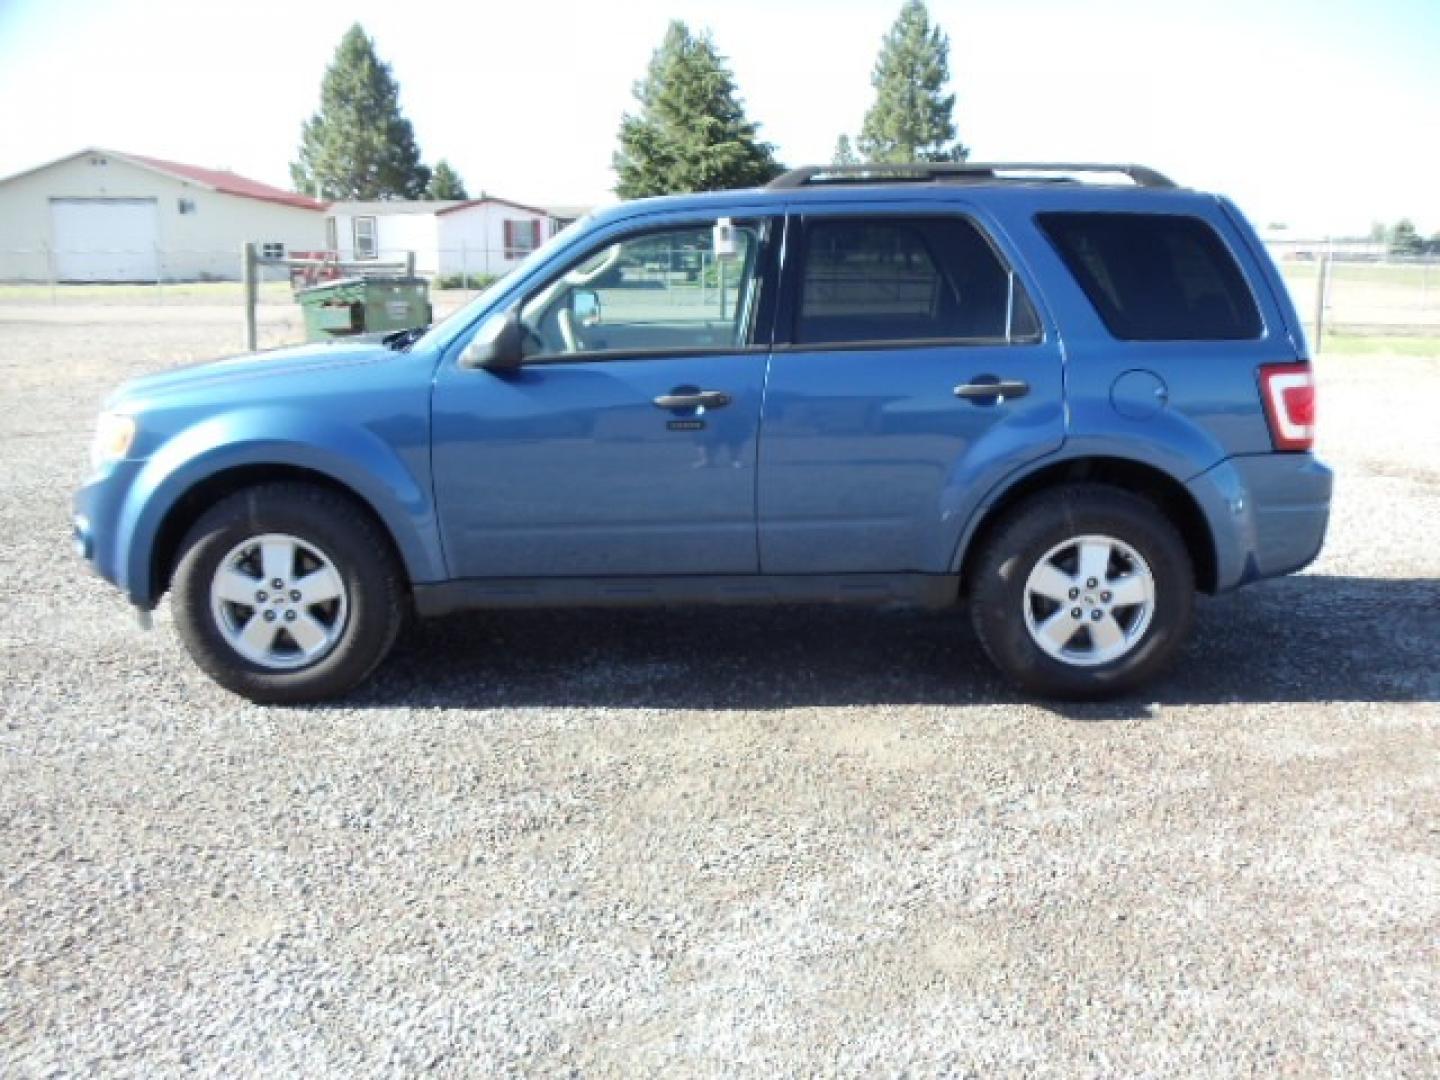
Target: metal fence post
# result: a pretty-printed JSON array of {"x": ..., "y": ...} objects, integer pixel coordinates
[
  {"x": 247, "y": 277},
  {"x": 1321, "y": 288},
  {"x": 50, "y": 272},
  {"x": 410, "y": 264}
]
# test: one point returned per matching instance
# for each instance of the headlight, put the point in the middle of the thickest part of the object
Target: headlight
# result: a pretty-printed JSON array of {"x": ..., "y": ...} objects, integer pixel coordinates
[{"x": 114, "y": 434}]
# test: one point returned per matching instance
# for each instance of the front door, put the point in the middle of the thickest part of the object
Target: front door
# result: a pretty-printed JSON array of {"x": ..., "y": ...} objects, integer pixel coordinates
[
  {"x": 909, "y": 368},
  {"x": 626, "y": 444}
]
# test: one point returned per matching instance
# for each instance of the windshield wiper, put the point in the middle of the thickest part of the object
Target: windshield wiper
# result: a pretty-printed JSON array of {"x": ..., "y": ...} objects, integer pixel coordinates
[{"x": 401, "y": 340}]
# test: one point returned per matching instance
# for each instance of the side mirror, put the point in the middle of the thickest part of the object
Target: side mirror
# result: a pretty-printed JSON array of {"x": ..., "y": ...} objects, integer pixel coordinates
[
  {"x": 497, "y": 346},
  {"x": 585, "y": 306}
]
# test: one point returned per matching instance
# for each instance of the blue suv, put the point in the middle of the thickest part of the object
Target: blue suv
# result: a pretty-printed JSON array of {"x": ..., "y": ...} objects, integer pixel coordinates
[{"x": 1067, "y": 396}]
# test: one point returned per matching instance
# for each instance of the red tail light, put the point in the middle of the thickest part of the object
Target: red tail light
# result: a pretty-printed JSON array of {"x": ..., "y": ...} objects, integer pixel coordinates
[{"x": 1289, "y": 393}]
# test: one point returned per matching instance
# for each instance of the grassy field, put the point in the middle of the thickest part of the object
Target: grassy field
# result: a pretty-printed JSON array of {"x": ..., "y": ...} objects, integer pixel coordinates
[
  {"x": 206, "y": 292},
  {"x": 1381, "y": 345},
  {"x": 1391, "y": 275},
  {"x": 1374, "y": 308}
]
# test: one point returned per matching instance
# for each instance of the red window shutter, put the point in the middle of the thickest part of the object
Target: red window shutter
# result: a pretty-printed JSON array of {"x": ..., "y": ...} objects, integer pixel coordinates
[
  {"x": 509, "y": 236},
  {"x": 534, "y": 234}
]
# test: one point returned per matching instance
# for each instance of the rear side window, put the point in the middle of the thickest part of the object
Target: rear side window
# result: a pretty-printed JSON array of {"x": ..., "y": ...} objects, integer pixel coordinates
[
  {"x": 1156, "y": 277},
  {"x": 906, "y": 279}
]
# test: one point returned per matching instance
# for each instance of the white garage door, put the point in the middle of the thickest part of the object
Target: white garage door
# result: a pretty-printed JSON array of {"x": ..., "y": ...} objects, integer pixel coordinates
[{"x": 105, "y": 239}]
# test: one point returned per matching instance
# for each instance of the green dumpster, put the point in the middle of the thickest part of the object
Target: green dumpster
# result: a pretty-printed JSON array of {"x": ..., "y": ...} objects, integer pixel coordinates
[{"x": 363, "y": 305}]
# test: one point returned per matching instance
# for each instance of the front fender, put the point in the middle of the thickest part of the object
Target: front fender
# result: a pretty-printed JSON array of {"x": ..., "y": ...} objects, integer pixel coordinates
[{"x": 385, "y": 463}]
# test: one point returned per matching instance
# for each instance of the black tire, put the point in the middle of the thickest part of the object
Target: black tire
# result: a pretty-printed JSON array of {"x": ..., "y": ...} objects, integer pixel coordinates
[
  {"x": 361, "y": 553},
  {"x": 1035, "y": 527}
]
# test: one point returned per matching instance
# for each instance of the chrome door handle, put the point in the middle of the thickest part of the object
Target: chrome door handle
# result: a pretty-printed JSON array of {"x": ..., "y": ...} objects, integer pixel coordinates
[
  {"x": 987, "y": 386},
  {"x": 700, "y": 399}
]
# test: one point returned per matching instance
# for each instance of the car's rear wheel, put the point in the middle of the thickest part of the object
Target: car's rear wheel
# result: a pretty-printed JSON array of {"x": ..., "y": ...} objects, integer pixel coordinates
[
  {"x": 287, "y": 593},
  {"x": 1083, "y": 592}
]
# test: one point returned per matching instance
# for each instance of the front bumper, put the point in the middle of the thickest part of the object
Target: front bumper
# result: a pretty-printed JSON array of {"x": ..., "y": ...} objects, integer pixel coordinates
[
  {"x": 1268, "y": 514},
  {"x": 81, "y": 538},
  {"x": 97, "y": 528}
]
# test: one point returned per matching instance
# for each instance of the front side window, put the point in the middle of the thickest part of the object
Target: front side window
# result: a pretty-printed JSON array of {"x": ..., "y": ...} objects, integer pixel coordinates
[
  {"x": 1155, "y": 277},
  {"x": 657, "y": 291},
  {"x": 877, "y": 280},
  {"x": 365, "y": 238}
]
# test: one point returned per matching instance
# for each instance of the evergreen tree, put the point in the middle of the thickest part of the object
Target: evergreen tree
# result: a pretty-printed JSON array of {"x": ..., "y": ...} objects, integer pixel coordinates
[
  {"x": 359, "y": 145},
  {"x": 691, "y": 133},
  {"x": 844, "y": 152},
  {"x": 912, "y": 118},
  {"x": 445, "y": 183}
]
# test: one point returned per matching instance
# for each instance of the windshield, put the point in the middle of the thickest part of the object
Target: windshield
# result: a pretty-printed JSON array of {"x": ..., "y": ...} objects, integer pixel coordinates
[{"x": 441, "y": 330}]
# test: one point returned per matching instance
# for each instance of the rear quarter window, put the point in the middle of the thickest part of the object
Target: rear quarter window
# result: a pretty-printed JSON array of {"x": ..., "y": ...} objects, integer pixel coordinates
[{"x": 1155, "y": 277}]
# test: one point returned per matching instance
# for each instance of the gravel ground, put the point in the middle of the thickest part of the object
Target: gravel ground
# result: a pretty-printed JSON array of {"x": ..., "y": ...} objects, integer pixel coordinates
[{"x": 719, "y": 842}]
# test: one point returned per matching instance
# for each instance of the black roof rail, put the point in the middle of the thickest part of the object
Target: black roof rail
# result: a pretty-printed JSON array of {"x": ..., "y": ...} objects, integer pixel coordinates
[{"x": 976, "y": 171}]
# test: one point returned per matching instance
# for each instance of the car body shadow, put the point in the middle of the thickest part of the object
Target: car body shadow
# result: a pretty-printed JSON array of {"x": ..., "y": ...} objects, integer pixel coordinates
[{"x": 1311, "y": 638}]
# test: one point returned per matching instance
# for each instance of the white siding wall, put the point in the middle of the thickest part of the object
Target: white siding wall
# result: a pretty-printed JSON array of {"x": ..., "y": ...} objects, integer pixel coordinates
[
  {"x": 474, "y": 238},
  {"x": 344, "y": 227},
  {"x": 193, "y": 246},
  {"x": 396, "y": 235},
  {"x": 403, "y": 233},
  {"x": 345, "y": 233},
  {"x": 470, "y": 240}
]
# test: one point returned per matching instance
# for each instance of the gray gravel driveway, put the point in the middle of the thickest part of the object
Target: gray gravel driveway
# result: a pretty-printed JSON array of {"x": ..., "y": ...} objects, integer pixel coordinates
[{"x": 723, "y": 842}]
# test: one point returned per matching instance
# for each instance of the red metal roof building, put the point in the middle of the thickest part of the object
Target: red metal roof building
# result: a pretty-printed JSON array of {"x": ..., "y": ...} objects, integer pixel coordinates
[{"x": 106, "y": 215}]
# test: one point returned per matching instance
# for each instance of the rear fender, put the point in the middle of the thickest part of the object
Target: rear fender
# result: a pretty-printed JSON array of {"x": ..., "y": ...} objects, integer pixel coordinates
[{"x": 1172, "y": 467}]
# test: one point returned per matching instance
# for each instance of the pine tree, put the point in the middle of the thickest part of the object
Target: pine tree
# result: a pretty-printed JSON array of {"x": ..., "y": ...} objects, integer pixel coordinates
[
  {"x": 691, "y": 133},
  {"x": 359, "y": 145},
  {"x": 912, "y": 118},
  {"x": 844, "y": 152},
  {"x": 1404, "y": 239},
  {"x": 445, "y": 183}
]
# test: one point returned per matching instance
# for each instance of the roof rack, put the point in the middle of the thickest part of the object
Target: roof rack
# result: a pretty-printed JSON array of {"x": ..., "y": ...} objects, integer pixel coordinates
[{"x": 958, "y": 172}]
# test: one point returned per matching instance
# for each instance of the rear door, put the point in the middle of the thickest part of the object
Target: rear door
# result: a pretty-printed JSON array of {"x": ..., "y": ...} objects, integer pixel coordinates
[{"x": 911, "y": 371}]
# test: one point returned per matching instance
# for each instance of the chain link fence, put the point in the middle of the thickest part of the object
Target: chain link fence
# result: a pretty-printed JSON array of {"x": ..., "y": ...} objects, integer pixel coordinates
[
  {"x": 1362, "y": 294},
  {"x": 176, "y": 275},
  {"x": 1365, "y": 297}
]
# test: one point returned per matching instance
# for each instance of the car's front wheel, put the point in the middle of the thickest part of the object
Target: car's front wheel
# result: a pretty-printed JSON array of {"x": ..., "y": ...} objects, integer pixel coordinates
[
  {"x": 1083, "y": 592},
  {"x": 287, "y": 593}
]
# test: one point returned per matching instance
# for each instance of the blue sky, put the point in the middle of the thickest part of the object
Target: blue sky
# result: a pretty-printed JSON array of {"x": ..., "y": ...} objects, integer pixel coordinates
[{"x": 1321, "y": 114}]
